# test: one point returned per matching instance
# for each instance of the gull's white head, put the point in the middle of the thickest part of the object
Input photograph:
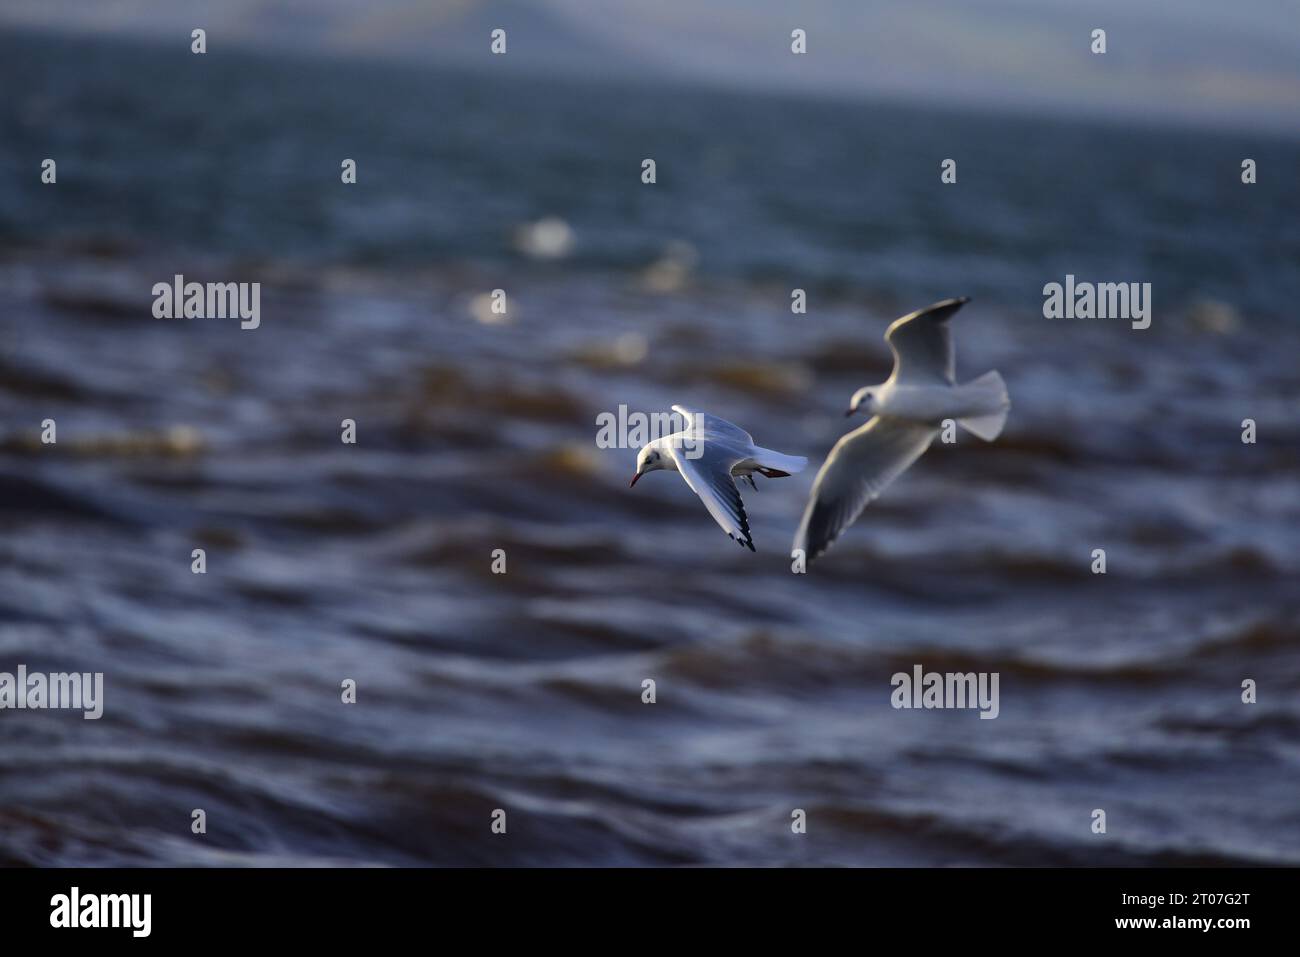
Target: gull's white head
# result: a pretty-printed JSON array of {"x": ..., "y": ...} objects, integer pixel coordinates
[
  {"x": 652, "y": 458},
  {"x": 864, "y": 400}
]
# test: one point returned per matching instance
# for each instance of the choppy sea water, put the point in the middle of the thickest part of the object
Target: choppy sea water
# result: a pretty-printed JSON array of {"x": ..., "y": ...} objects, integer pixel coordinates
[{"x": 523, "y": 691}]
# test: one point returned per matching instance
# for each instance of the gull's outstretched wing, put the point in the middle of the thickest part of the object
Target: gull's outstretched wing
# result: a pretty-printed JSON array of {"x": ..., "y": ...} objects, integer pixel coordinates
[
  {"x": 857, "y": 470},
  {"x": 709, "y": 476},
  {"x": 711, "y": 425},
  {"x": 922, "y": 344}
]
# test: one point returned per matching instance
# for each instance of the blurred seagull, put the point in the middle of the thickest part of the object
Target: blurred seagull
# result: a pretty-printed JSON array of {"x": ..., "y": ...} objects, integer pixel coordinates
[
  {"x": 708, "y": 453},
  {"x": 907, "y": 410}
]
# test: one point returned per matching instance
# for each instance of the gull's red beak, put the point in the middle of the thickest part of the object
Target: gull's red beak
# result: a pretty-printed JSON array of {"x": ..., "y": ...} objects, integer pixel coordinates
[
  {"x": 847, "y": 413},
  {"x": 634, "y": 478}
]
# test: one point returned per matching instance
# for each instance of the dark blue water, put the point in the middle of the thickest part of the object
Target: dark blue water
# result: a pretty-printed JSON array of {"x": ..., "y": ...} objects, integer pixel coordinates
[{"x": 523, "y": 691}]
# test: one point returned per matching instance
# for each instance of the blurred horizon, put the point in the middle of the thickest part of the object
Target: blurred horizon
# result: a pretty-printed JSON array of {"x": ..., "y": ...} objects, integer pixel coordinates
[
  {"x": 1210, "y": 69},
  {"x": 476, "y": 431}
]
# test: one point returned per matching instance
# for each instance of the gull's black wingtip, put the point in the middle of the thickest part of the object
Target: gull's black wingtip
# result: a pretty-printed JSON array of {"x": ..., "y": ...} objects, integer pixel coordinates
[
  {"x": 944, "y": 309},
  {"x": 743, "y": 542}
]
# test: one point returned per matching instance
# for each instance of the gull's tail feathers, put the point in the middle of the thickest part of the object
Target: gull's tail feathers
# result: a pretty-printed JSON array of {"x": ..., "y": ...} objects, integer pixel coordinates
[
  {"x": 776, "y": 462},
  {"x": 986, "y": 392}
]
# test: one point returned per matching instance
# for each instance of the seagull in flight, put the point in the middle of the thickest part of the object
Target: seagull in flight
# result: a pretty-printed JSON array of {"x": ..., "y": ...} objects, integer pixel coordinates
[
  {"x": 907, "y": 411},
  {"x": 709, "y": 453}
]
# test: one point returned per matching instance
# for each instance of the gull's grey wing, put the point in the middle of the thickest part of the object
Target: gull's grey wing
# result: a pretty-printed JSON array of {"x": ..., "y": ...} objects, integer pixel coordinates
[
  {"x": 858, "y": 469},
  {"x": 709, "y": 477},
  {"x": 712, "y": 425},
  {"x": 922, "y": 344}
]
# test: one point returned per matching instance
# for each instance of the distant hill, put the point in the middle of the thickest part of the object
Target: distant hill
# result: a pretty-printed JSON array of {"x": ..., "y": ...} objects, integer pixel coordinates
[
  {"x": 1204, "y": 61},
  {"x": 446, "y": 32}
]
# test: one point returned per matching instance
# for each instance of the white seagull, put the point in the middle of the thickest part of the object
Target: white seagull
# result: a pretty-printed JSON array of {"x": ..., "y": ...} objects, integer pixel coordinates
[
  {"x": 708, "y": 453},
  {"x": 907, "y": 411}
]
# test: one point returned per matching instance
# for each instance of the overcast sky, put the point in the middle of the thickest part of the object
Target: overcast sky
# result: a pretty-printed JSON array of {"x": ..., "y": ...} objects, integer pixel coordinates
[{"x": 1209, "y": 61}]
